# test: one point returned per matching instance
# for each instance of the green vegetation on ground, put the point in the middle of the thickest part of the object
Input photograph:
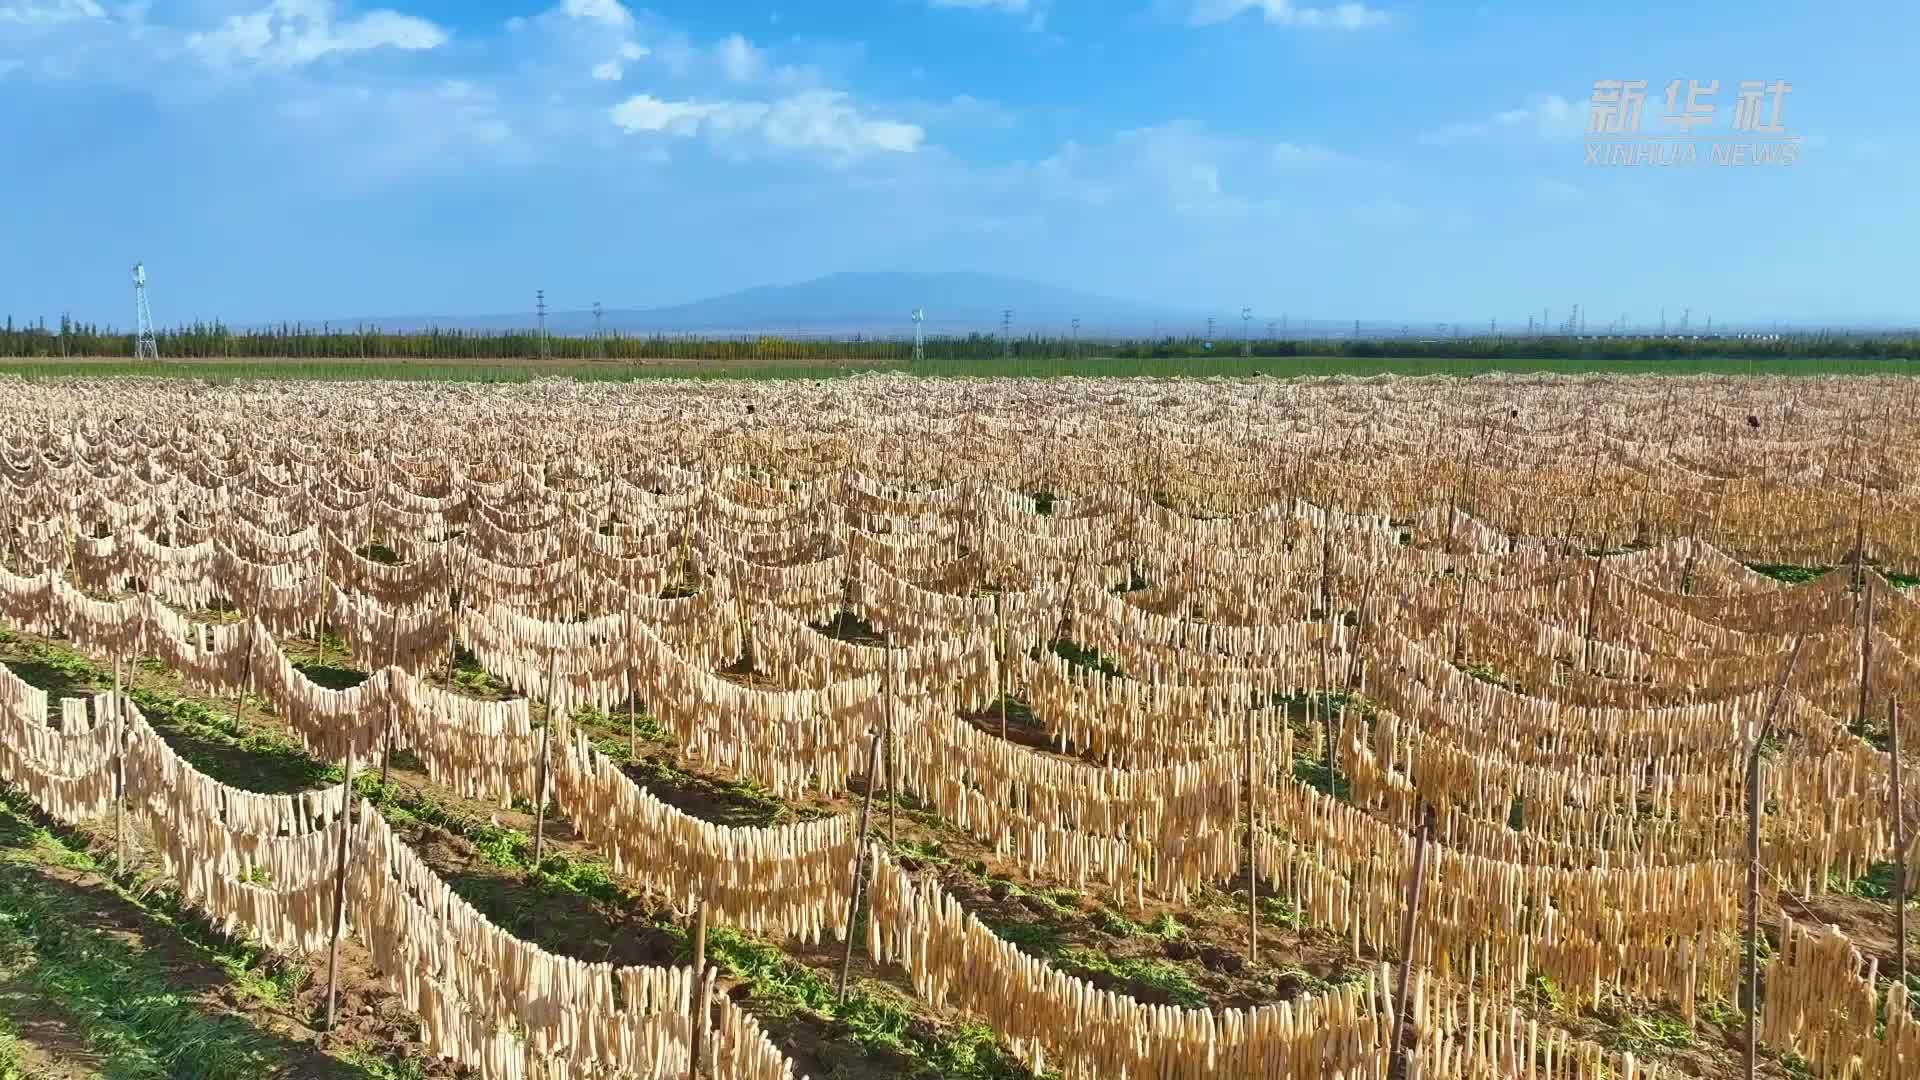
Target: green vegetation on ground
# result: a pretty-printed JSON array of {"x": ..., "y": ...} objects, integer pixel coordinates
[{"x": 511, "y": 370}]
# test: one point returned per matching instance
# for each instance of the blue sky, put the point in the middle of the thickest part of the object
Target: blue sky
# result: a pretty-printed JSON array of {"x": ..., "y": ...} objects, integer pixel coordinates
[{"x": 1393, "y": 159}]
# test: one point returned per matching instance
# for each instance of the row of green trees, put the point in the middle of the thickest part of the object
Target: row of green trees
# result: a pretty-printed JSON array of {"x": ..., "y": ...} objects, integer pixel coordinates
[{"x": 209, "y": 340}]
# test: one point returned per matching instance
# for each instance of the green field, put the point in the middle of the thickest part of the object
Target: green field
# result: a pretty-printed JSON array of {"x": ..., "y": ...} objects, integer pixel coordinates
[{"x": 1017, "y": 367}]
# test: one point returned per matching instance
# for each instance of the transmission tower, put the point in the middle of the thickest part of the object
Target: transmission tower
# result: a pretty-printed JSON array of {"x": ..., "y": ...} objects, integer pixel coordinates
[
  {"x": 1076, "y": 336},
  {"x": 540, "y": 307},
  {"x": 1006, "y": 333},
  {"x": 1246, "y": 331},
  {"x": 599, "y": 339},
  {"x": 1209, "y": 328},
  {"x": 919, "y": 336},
  {"x": 144, "y": 345}
]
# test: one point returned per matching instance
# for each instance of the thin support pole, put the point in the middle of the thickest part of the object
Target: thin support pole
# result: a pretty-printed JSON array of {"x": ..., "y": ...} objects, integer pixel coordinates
[
  {"x": 1409, "y": 922},
  {"x": 120, "y": 771},
  {"x": 1866, "y": 652},
  {"x": 546, "y": 741},
  {"x": 1750, "y": 983},
  {"x": 1593, "y": 599},
  {"x": 702, "y": 1015},
  {"x": 240, "y": 691},
  {"x": 1253, "y": 868},
  {"x": 1899, "y": 846},
  {"x": 386, "y": 747},
  {"x": 893, "y": 754},
  {"x": 860, "y": 862},
  {"x": 340, "y": 887},
  {"x": 1000, "y": 632},
  {"x": 540, "y": 809}
]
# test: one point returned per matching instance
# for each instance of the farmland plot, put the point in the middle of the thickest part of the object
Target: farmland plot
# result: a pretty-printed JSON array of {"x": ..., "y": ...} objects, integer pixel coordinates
[{"x": 1238, "y": 728}]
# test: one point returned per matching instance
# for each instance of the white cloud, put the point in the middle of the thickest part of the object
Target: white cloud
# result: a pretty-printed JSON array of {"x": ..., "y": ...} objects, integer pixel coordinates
[
  {"x": 50, "y": 12},
  {"x": 616, "y": 69},
  {"x": 646, "y": 113},
  {"x": 1548, "y": 116},
  {"x": 399, "y": 130},
  {"x": 739, "y": 59},
  {"x": 1343, "y": 16},
  {"x": 290, "y": 33},
  {"x": 818, "y": 120},
  {"x": 611, "y": 12}
]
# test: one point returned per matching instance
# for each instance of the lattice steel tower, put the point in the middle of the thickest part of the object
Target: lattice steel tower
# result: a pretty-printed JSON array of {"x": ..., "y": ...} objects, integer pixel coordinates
[
  {"x": 145, "y": 347},
  {"x": 919, "y": 334}
]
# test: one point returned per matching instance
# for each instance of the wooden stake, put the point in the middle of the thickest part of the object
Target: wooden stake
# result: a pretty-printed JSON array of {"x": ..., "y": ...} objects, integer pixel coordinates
[
  {"x": 540, "y": 810},
  {"x": 893, "y": 755},
  {"x": 1409, "y": 922},
  {"x": 1000, "y": 631},
  {"x": 1899, "y": 847},
  {"x": 1253, "y": 869},
  {"x": 1593, "y": 598},
  {"x": 120, "y": 772},
  {"x": 1750, "y": 984},
  {"x": 860, "y": 861},
  {"x": 393, "y": 660},
  {"x": 701, "y": 1011},
  {"x": 240, "y": 692},
  {"x": 1866, "y": 650},
  {"x": 340, "y": 887}
]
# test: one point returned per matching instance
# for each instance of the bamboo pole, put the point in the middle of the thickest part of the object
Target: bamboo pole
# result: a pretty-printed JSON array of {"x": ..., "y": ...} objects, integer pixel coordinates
[
  {"x": 340, "y": 887},
  {"x": 860, "y": 862},
  {"x": 1899, "y": 847},
  {"x": 1750, "y": 983},
  {"x": 1409, "y": 922}
]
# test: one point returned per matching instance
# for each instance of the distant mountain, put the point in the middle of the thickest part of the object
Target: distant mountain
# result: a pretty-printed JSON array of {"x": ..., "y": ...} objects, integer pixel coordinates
[{"x": 878, "y": 304}]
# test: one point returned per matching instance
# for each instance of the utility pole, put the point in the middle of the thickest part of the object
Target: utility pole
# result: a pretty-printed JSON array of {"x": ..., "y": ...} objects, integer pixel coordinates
[
  {"x": 600, "y": 339},
  {"x": 1006, "y": 333},
  {"x": 144, "y": 345},
  {"x": 1076, "y": 337},
  {"x": 540, "y": 308},
  {"x": 1246, "y": 339}
]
